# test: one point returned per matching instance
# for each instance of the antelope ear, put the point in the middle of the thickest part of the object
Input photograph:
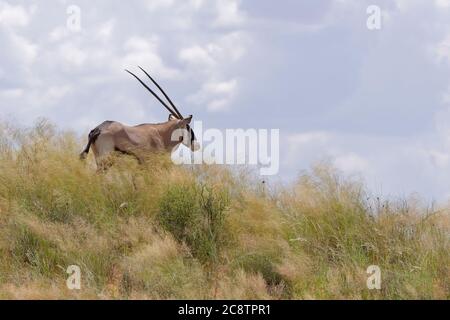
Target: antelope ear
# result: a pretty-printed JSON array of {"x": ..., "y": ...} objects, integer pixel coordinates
[
  {"x": 187, "y": 120},
  {"x": 172, "y": 117}
]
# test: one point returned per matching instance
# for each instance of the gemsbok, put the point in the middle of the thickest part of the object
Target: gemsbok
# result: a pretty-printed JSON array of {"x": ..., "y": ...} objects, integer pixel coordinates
[{"x": 138, "y": 141}]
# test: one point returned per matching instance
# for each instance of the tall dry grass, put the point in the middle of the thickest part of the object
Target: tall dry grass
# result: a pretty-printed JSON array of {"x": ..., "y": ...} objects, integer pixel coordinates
[{"x": 161, "y": 231}]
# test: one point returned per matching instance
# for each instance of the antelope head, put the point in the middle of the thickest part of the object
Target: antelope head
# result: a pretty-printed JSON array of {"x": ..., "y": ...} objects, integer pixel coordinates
[{"x": 182, "y": 123}]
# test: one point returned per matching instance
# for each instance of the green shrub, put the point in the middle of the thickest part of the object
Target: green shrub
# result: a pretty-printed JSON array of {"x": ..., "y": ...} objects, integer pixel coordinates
[{"x": 195, "y": 214}]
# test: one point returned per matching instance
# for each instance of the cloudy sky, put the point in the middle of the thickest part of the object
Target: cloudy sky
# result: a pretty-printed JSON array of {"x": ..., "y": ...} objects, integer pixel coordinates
[{"x": 374, "y": 102}]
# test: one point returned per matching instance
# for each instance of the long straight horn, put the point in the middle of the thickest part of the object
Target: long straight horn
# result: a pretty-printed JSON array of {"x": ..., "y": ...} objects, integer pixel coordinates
[
  {"x": 154, "y": 94},
  {"x": 165, "y": 95}
]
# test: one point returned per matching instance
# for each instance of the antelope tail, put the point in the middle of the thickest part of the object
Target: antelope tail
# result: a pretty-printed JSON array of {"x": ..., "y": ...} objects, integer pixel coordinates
[{"x": 93, "y": 135}]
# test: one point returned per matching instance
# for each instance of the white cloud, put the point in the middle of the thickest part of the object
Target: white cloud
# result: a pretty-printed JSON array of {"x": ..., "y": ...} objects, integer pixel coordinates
[
  {"x": 216, "y": 95},
  {"x": 439, "y": 159},
  {"x": 211, "y": 62},
  {"x": 226, "y": 87},
  {"x": 351, "y": 163},
  {"x": 50, "y": 96},
  {"x": 226, "y": 49},
  {"x": 144, "y": 52},
  {"x": 442, "y": 50},
  {"x": 228, "y": 13},
  {"x": 13, "y": 16},
  {"x": 105, "y": 30},
  {"x": 405, "y": 5},
  {"x": 306, "y": 147},
  {"x": 442, "y": 3},
  {"x": 59, "y": 33},
  {"x": 154, "y": 5},
  {"x": 11, "y": 93},
  {"x": 24, "y": 48},
  {"x": 218, "y": 105},
  {"x": 72, "y": 54},
  {"x": 197, "y": 56},
  {"x": 231, "y": 47}
]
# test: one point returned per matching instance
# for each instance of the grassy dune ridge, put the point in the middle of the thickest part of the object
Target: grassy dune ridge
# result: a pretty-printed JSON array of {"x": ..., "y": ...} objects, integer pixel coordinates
[{"x": 161, "y": 231}]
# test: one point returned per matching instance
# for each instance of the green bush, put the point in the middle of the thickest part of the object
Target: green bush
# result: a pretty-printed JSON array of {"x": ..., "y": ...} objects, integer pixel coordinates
[{"x": 195, "y": 214}]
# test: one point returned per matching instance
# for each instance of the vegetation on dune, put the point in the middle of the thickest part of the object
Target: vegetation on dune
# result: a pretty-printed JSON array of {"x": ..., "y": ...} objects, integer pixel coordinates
[{"x": 161, "y": 231}]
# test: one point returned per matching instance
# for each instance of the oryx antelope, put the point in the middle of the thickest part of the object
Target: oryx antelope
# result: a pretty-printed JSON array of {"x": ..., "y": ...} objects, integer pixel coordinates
[{"x": 111, "y": 136}]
